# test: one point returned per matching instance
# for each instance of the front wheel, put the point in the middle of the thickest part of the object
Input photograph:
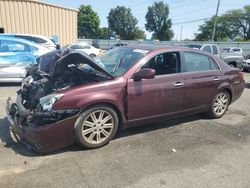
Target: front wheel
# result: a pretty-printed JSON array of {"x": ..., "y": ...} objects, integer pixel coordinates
[
  {"x": 219, "y": 105},
  {"x": 96, "y": 126}
]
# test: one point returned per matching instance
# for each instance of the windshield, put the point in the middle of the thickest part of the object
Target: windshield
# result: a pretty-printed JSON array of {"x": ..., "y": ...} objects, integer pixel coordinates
[{"x": 118, "y": 60}]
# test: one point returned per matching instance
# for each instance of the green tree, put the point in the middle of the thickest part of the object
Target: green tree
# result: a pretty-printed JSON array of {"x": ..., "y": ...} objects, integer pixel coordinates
[
  {"x": 158, "y": 21},
  {"x": 233, "y": 25},
  {"x": 224, "y": 30},
  {"x": 239, "y": 20},
  {"x": 139, "y": 34},
  {"x": 104, "y": 33},
  {"x": 88, "y": 22},
  {"x": 121, "y": 20}
]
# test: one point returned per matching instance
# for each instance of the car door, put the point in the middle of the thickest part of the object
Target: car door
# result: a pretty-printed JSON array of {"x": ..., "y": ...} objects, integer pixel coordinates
[
  {"x": 161, "y": 95},
  {"x": 201, "y": 79}
]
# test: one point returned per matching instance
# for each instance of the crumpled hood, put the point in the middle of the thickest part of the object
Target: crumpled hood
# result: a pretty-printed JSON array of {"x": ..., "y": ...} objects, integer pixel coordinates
[{"x": 78, "y": 58}]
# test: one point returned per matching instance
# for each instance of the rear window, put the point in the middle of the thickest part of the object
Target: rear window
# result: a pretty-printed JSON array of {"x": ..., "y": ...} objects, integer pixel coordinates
[
  {"x": 236, "y": 50},
  {"x": 195, "y": 62}
]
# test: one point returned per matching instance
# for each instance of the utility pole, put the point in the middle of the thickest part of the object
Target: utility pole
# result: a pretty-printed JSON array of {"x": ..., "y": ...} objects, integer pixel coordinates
[
  {"x": 181, "y": 33},
  {"x": 215, "y": 21}
]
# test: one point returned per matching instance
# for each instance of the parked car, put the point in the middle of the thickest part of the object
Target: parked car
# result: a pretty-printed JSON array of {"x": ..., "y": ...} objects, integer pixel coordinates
[
  {"x": 210, "y": 48},
  {"x": 232, "y": 59},
  {"x": 83, "y": 102},
  {"x": 88, "y": 49},
  {"x": 39, "y": 39},
  {"x": 246, "y": 65},
  {"x": 232, "y": 50},
  {"x": 15, "y": 56},
  {"x": 233, "y": 56}
]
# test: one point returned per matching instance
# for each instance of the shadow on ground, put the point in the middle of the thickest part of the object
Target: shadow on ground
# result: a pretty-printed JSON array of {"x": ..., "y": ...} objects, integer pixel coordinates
[
  {"x": 8, "y": 141},
  {"x": 247, "y": 85},
  {"x": 19, "y": 148}
]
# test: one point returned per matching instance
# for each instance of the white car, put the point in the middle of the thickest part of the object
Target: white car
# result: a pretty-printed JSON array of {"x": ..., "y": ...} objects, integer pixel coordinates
[
  {"x": 38, "y": 39},
  {"x": 246, "y": 65},
  {"x": 232, "y": 50},
  {"x": 210, "y": 48},
  {"x": 88, "y": 49}
]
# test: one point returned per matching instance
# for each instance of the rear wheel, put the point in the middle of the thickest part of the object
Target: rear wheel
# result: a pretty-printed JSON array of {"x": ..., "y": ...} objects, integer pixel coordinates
[
  {"x": 96, "y": 126},
  {"x": 219, "y": 105},
  {"x": 232, "y": 64}
]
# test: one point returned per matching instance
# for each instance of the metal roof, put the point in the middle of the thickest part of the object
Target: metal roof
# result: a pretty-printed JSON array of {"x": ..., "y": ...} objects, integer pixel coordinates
[{"x": 45, "y": 3}]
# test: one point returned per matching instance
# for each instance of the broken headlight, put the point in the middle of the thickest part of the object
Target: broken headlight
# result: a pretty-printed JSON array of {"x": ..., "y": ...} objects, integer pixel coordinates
[{"x": 48, "y": 101}]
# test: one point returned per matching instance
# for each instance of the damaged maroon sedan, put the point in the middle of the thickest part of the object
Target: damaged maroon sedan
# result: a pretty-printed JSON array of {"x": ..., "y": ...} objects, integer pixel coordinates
[{"x": 85, "y": 101}]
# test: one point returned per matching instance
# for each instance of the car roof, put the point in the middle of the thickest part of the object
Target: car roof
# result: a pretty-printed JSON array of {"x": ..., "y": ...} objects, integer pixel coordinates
[
  {"x": 21, "y": 40},
  {"x": 155, "y": 48},
  {"x": 31, "y": 35},
  {"x": 159, "y": 47},
  {"x": 229, "y": 48}
]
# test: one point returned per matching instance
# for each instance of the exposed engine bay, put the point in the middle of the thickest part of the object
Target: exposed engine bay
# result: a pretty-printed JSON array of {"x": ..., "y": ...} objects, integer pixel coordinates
[
  {"x": 42, "y": 84},
  {"x": 39, "y": 91}
]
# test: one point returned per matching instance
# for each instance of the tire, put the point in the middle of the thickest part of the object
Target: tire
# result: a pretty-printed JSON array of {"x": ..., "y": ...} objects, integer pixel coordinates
[
  {"x": 92, "y": 55},
  {"x": 96, "y": 126},
  {"x": 219, "y": 105},
  {"x": 245, "y": 70},
  {"x": 232, "y": 64}
]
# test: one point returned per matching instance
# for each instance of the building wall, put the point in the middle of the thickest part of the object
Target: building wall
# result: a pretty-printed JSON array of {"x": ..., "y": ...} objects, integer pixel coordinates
[{"x": 34, "y": 17}]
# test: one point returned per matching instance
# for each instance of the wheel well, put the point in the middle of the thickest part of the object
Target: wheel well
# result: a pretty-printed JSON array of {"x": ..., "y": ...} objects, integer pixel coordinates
[
  {"x": 229, "y": 92},
  {"x": 119, "y": 114},
  {"x": 232, "y": 63}
]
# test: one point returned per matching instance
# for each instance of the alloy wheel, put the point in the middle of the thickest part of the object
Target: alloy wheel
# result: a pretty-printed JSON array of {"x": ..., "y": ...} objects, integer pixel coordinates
[
  {"x": 97, "y": 127},
  {"x": 221, "y": 104}
]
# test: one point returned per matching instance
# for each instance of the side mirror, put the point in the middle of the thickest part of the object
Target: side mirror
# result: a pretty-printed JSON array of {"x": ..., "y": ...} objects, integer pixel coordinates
[{"x": 145, "y": 73}]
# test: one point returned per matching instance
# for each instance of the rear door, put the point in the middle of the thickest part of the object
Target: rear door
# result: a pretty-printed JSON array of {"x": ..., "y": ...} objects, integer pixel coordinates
[
  {"x": 161, "y": 95},
  {"x": 201, "y": 79}
]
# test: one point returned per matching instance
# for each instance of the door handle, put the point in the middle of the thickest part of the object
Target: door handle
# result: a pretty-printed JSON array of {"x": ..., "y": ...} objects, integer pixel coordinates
[
  {"x": 216, "y": 78},
  {"x": 179, "y": 84}
]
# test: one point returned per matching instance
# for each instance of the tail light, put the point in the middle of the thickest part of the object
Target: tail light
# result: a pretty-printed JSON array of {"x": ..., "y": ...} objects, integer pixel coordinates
[{"x": 241, "y": 76}]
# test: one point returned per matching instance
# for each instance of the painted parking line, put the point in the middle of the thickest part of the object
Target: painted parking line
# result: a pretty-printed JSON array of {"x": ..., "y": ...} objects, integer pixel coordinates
[{"x": 9, "y": 171}]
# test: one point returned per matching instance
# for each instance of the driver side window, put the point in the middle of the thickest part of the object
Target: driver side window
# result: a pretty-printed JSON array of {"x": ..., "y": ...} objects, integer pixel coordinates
[{"x": 166, "y": 63}]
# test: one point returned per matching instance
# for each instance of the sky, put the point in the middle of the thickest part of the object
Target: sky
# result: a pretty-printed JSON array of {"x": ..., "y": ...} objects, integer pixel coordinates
[{"x": 185, "y": 14}]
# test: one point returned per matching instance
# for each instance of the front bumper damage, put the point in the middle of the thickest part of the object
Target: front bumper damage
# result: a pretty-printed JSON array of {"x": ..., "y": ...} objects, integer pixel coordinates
[{"x": 41, "y": 138}]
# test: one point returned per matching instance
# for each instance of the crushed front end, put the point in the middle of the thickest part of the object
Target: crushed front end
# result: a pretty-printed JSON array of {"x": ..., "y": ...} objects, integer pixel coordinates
[
  {"x": 41, "y": 131},
  {"x": 32, "y": 116}
]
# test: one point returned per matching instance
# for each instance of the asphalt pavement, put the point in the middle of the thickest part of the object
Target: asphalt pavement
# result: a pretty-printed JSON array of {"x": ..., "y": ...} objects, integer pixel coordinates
[{"x": 189, "y": 152}]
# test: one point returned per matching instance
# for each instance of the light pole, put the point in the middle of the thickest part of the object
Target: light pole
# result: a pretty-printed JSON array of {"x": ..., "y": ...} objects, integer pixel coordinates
[
  {"x": 181, "y": 33},
  {"x": 215, "y": 21}
]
